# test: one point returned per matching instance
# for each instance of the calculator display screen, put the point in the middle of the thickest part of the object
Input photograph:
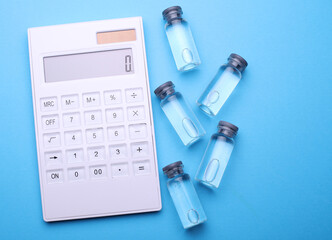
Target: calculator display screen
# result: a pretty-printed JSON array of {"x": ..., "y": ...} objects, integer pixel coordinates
[{"x": 88, "y": 65}]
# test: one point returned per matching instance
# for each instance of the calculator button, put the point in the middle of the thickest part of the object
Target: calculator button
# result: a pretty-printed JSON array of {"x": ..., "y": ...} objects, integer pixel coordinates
[
  {"x": 136, "y": 113},
  {"x": 137, "y": 131},
  {"x": 98, "y": 171},
  {"x": 93, "y": 117},
  {"x": 54, "y": 176},
  {"x": 134, "y": 95},
  {"x": 94, "y": 135},
  {"x": 116, "y": 133},
  {"x": 139, "y": 149},
  {"x": 53, "y": 157},
  {"x": 71, "y": 119},
  {"x": 112, "y": 97},
  {"x": 91, "y": 99},
  {"x": 75, "y": 174},
  {"x": 49, "y": 104},
  {"x": 52, "y": 140},
  {"x": 50, "y": 122},
  {"x": 96, "y": 154},
  {"x": 118, "y": 151},
  {"x": 70, "y": 101},
  {"x": 114, "y": 115},
  {"x": 73, "y": 138},
  {"x": 119, "y": 169},
  {"x": 75, "y": 155},
  {"x": 141, "y": 167}
]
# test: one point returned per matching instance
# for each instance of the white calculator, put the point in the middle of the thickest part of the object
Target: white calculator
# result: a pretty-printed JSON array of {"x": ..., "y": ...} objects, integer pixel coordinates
[{"x": 93, "y": 120}]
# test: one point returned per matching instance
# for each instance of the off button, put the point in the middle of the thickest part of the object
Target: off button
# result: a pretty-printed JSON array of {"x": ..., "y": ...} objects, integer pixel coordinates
[{"x": 50, "y": 122}]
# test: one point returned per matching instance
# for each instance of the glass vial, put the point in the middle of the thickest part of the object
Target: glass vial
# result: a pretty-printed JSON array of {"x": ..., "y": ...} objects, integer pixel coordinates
[
  {"x": 180, "y": 39},
  {"x": 217, "y": 154},
  {"x": 179, "y": 114},
  {"x": 222, "y": 85},
  {"x": 184, "y": 195}
]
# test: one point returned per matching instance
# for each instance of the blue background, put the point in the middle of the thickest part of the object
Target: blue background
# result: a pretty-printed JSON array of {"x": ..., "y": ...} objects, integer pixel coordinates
[{"x": 278, "y": 184}]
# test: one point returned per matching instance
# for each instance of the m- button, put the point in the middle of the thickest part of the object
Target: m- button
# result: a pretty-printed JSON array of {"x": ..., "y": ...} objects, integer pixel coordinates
[
  {"x": 70, "y": 101},
  {"x": 49, "y": 104}
]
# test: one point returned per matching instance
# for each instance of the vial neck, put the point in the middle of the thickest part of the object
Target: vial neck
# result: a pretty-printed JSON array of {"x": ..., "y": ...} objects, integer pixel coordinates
[{"x": 227, "y": 133}]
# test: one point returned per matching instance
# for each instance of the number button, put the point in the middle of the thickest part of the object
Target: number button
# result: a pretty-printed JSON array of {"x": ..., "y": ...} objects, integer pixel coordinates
[
  {"x": 119, "y": 169},
  {"x": 118, "y": 151},
  {"x": 70, "y": 101},
  {"x": 134, "y": 95},
  {"x": 93, "y": 117},
  {"x": 116, "y": 133},
  {"x": 91, "y": 99},
  {"x": 136, "y": 113},
  {"x": 75, "y": 155},
  {"x": 71, "y": 119},
  {"x": 94, "y": 135},
  {"x": 112, "y": 97},
  {"x": 139, "y": 149},
  {"x": 75, "y": 174},
  {"x": 73, "y": 138},
  {"x": 54, "y": 176},
  {"x": 53, "y": 157},
  {"x": 96, "y": 154},
  {"x": 114, "y": 115},
  {"x": 98, "y": 171},
  {"x": 51, "y": 140},
  {"x": 50, "y": 122},
  {"x": 137, "y": 131},
  {"x": 141, "y": 167},
  {"x": 49, "y": 104}
]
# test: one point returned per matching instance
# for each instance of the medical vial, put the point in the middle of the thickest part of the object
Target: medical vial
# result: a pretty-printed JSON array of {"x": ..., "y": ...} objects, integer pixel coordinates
[
  {"x": 180, "y": 39},
  {"x": 184, "y": 195},
  {"x": 179, "y": 114},
  {"x": 222, "y": 85},
  {"x": 217, "y": 155}
]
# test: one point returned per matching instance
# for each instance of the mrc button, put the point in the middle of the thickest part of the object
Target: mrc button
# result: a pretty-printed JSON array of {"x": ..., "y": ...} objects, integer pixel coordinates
[{"x": 49, "y": 104}]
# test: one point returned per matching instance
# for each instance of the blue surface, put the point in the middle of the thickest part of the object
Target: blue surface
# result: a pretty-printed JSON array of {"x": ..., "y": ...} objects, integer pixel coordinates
[{"x": 278, "y": 184}]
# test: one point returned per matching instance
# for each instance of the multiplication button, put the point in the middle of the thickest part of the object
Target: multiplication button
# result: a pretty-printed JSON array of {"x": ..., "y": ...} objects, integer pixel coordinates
[
  {"x": 137, "y": 131},
  {"x": 52, "y": 140},
  {"x": 134, "y": 95},
  {"x": 98, "y": 171},
  {"x": 136, "y": 113},
  {"x": 112, "y": 97},
  {"x": 49, "y": 104},
  {"x": 70, "y": 101},
  {"x": 75, "y": 174},
  {"x": 54, "y": 176},
  {"x": 50, "y": 122},
  {"x": 91, "y": 99}
]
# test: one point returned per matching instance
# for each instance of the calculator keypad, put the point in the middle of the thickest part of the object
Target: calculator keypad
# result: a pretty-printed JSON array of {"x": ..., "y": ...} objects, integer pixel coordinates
[{"x": 97, "y": 135}]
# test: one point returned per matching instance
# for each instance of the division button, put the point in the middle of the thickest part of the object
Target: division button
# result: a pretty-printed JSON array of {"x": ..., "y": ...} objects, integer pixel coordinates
[
  {"x": 49, "y": 104},
  {"x": 134, "y": 95}
]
